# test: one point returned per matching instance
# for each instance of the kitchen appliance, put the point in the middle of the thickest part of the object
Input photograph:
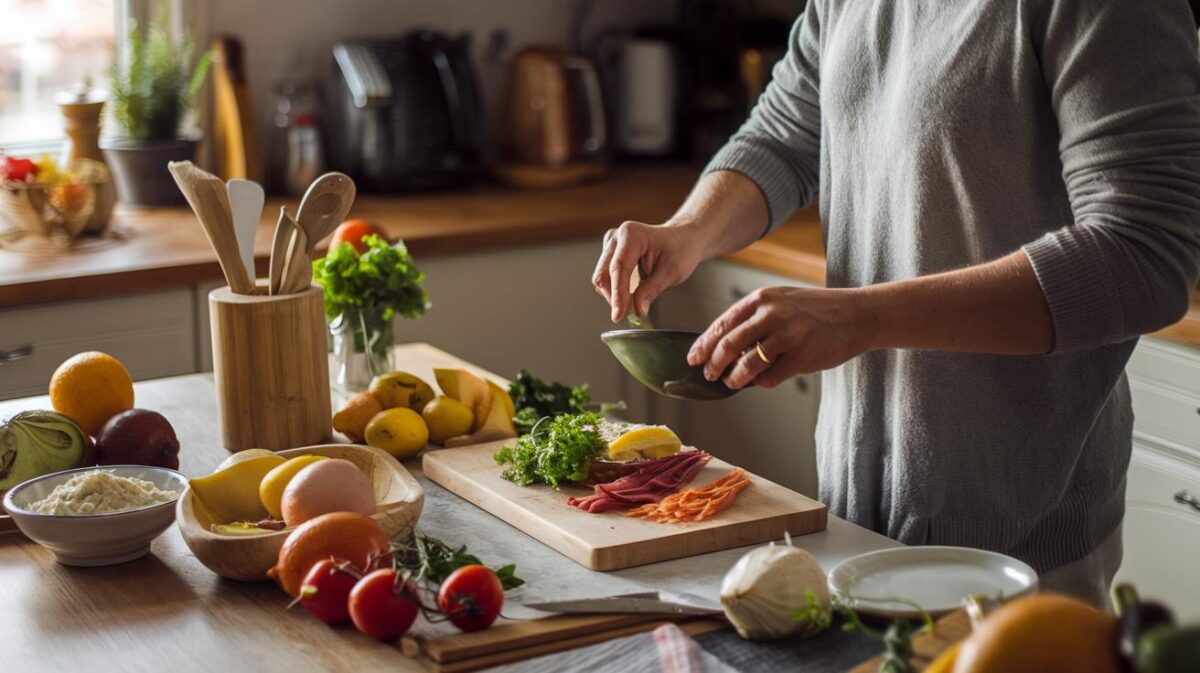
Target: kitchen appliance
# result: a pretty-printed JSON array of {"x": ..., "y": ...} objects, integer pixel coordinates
[
  {"x": 406, "y": 113},
  {"x": 554, "y": 130},
  {"x": 647, "y": 85},
  {"x": 761, "y": 513}
]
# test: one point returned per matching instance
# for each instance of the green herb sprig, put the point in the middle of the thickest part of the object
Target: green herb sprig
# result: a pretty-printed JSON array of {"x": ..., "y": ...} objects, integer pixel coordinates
[
  {"x": 536, "y": 399},
  {"x": 429, "y": 561},
  {"x": 557, "y": 450},
  {"x": 383, "y": 281},
  {"x": 156, "y": 84}
]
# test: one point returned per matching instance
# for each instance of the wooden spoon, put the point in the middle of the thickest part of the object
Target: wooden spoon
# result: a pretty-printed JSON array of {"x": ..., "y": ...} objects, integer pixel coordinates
[
  {"x": 324, "y": 206},
  {"x": 284, "y": 229},
  {"x": 206, "y": 195}
]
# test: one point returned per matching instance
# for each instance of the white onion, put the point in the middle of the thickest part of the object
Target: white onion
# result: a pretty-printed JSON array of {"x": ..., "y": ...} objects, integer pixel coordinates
[{"x": 765, "y": 589}]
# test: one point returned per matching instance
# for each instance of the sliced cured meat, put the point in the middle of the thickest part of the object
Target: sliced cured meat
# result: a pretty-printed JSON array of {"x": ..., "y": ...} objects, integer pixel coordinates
[{"x": 649, "y": 484}]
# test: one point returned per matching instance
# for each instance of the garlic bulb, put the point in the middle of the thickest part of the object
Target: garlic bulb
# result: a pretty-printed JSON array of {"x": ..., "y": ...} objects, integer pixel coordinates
[{"x": 764, "y": 590}]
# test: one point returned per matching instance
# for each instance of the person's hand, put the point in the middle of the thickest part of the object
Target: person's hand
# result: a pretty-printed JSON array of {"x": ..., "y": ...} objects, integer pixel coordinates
[
  {"x": 775, "y": 333},
  {"x": 666, "y": 255}
]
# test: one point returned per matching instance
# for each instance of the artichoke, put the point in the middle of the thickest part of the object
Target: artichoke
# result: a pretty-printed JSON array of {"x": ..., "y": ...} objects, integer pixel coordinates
[{"x": 33, "y": 443}]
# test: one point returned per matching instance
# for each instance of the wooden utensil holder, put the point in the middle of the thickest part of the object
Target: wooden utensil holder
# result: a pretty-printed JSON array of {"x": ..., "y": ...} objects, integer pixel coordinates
[{"x": 271, "y": 364}]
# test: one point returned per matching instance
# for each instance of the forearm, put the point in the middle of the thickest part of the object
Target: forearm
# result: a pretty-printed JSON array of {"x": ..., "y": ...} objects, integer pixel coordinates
[
  {"x": 997, "y": 307},
  {"x": 725, "y": 212}
]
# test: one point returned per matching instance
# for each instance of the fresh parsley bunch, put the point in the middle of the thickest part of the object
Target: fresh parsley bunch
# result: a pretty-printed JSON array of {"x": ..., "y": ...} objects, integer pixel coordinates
[
  {"x": 558, "y": 450},
  {"x": 382, "y": 282}
]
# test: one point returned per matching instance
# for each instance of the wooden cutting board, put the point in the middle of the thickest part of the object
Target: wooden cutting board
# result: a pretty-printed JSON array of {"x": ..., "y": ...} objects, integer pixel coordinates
[
  {"x": 518, "y": 641},
  {"x": 612, "y": 541}
]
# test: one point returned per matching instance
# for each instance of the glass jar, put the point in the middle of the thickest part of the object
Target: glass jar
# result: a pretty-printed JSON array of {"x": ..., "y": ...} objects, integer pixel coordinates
[{"x": 362, "y": 348}]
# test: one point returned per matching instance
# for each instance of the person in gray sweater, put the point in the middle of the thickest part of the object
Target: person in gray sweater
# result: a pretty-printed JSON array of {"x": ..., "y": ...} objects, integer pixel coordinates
[{"x": 1010, "y": 195}]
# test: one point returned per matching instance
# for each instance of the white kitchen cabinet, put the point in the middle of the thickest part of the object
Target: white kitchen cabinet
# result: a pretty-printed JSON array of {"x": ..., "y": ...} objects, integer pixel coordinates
[
  {"x": 1162, "y": 525},
  {"x": 152, "y": 333},
  {"x": 1162, "y": 534},
  {"x": 769, "y": 432},
  {"x": 204, "y": 356}
]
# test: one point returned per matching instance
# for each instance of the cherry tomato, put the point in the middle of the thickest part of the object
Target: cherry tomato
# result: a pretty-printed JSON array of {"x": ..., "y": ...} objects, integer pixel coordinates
[
  {"x": 381, "y": 606},
  {"x": 471, "y": 597},
  {"x": 325, "y": 592}
]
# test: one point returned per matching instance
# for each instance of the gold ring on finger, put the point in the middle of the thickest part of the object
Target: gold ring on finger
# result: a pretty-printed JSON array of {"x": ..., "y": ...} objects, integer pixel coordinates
[{"x": 762, "y": 355}]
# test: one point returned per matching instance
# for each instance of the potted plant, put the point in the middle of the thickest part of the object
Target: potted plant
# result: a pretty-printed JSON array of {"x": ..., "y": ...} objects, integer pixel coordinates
[
  {"x": 150, "y": 94},
  {"x": 363, "y": 295}
]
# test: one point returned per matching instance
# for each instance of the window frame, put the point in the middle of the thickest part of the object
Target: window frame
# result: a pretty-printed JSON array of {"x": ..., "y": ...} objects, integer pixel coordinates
[{"x": 181, "y": 13}]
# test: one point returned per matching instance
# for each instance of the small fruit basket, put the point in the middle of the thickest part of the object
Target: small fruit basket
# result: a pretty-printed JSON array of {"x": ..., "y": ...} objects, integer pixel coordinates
[
  {"x": 41, "y": 199},
  {"x": 398, "y": 502}
]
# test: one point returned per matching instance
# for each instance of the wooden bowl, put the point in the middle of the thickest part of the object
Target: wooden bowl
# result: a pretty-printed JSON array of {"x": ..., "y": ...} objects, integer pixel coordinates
[{"x": 398, "y": 496}]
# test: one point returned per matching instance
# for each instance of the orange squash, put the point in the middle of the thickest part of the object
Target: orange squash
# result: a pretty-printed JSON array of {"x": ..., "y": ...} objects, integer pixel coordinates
[{"x": 1046, "y": 633}]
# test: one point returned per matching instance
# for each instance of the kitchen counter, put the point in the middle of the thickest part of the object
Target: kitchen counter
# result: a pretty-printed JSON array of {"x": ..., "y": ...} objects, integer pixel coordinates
[
  {"x": 166, "y": 248},
  {"x": 166, "y": 610}
]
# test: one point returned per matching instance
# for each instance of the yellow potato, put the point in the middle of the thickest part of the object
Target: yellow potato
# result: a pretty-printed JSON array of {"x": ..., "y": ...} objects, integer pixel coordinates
[{"x": 400, "y": 431}]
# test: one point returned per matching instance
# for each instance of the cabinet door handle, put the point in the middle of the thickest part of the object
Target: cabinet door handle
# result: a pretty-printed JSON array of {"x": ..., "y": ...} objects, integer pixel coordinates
[
  {"x": 737, "y": 293},
  {"x": 14, "y": 354},
  {"x": 802, "y": 384},
  {"x": 1185, "y": 498}
]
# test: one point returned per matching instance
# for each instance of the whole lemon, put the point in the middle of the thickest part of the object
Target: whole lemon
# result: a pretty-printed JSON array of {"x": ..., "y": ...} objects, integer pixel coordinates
[
  {"x": 90, "y": 388},
  {"x": 400, "y": 431},
  {"x": 446, "y": 418}
]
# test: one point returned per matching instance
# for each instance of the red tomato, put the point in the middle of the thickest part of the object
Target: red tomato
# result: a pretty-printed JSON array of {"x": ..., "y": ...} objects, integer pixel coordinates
[
  {"x": 353, "y": 231},
  {"x": 325, "y": 592},
  {"x": 18, "y": 170},
  {"x": 381, "y": 606},
  {"x": 471, "y": 597}
]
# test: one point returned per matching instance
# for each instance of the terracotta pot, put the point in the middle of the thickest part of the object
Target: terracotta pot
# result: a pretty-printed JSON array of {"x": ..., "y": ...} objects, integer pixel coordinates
[{"x": 139, "y": 168}]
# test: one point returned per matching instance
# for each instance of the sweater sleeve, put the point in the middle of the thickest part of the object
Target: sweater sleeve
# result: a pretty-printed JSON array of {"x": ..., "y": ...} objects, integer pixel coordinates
[
  {"x": 778, "y": 147},
  {"x": 1124, "y": 84}
]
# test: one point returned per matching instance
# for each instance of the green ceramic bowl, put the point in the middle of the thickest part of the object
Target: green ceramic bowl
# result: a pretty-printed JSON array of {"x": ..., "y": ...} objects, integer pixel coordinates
[{"x": 658, "y": 358}]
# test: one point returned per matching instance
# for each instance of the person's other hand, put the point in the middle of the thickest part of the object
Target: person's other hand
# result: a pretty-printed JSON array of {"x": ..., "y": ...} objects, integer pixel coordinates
[
  {"x": 799, "y": 330},
  {"x": 666, "y": 255}
]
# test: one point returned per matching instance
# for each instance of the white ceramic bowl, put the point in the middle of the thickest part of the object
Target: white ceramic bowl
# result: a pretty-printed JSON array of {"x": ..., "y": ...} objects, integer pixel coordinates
[{"x": 95, "y": 539}]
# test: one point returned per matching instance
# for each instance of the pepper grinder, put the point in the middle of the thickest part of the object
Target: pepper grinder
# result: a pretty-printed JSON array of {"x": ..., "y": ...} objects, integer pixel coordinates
[{"x": 81, "y": 110}]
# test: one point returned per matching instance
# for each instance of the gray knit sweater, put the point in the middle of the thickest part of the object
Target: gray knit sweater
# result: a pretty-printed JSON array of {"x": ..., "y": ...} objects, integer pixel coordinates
[{"x": 946, "y": 133}]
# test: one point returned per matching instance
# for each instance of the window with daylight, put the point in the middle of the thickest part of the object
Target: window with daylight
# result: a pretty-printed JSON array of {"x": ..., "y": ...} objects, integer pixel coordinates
[{"x": 48, "y": 46}]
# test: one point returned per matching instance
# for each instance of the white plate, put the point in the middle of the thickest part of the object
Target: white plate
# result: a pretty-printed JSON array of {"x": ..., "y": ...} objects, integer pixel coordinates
[{"x": 887, "y": 582}]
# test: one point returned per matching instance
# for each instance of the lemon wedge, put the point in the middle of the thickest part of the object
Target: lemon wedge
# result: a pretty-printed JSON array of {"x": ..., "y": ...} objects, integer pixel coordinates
[{"x": 643, "y": 441}]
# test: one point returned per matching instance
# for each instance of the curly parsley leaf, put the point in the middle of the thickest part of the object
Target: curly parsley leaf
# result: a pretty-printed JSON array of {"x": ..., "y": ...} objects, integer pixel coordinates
[
  {"x": 384, "y": 280},
  {"x": 558, "y": 450}
]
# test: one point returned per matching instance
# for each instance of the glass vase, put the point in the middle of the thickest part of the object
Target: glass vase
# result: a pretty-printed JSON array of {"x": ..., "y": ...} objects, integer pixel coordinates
[{"x": 362, "y": 349}]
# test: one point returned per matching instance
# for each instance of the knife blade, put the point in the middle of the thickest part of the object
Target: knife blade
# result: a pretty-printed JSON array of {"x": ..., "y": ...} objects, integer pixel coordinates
[{"x": 649, "y": 602}]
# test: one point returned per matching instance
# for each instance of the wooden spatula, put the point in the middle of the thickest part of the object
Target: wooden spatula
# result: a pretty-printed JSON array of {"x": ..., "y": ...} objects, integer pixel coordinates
[
  {"x": 246, "y": 202},
  {"x": 297, "y": 268},
  {"x": 324, "y": 206},
  {"x": 284, "y": 229},
  {"x": 206, "y": 195}
]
